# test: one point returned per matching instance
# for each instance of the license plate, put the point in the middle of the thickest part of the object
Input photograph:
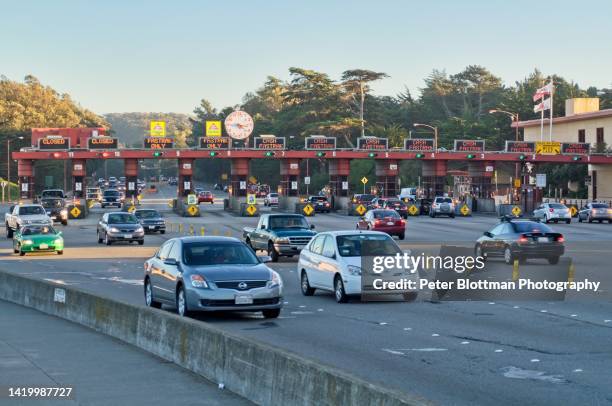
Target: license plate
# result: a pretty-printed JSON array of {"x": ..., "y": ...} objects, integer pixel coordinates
[
  {"x": 43, "y": 246},
  {"x": 53, "y": 218},
  {"x": 151, "y": 227},
  {"x": 390, "y": 223},
  {"x": 244, "y": 299},
  {"x": 542, "y": 239},
  {"x": 127, "y": 235}
]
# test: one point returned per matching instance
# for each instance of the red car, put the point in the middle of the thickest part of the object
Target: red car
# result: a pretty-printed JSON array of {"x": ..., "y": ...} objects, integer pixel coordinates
[
  {"x": 387, "y": 221},
  {"x": 206, "y": 197}
]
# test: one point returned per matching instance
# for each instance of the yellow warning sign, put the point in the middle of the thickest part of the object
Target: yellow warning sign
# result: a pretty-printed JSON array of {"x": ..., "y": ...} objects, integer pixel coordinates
[
  {"x": 251, "y": 209},
  {"x": 573, "y": 210},
  {"x": 131, "y": 209},
  {"x": 171, "y": 203},
  {"x": 548, "y": 148},
  {"x": 76, "y": 212},
  {"x": 90, "y": 203},
  {"x": 213, "y": 128},
  {"x": 360, "y": 209},
  {"x": 517, "y": 183},
  {"x": 158, "y": 129},
  {"x": 308, "y": 210},
  {"x": 413, "y": 210},
  {"x": 516, "y": 211},
  {"x": 251, "y": 198},
  {"x": 465, "y": 210},
  {"x": 192, "y": 210},
  {"x": 364, "y": 180}
]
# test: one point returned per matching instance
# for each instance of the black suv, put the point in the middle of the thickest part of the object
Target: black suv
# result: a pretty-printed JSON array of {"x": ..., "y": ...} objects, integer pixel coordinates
[
  {"x": 56, "y": 209},
  {"x": 111, "y": 197}
]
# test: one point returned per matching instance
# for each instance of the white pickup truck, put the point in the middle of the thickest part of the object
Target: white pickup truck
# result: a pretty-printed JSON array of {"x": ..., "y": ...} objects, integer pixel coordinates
[{"x": 22, "y": 214}]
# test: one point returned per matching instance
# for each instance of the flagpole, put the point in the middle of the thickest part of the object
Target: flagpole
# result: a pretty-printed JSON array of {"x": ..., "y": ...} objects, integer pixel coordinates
[
  {"x": 552, "y": 91},
  {"x": 542, "y": 122}
]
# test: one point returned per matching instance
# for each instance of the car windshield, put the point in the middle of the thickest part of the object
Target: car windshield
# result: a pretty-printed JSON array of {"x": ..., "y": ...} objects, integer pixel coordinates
[
  {"x": 273, "y": 194},
  {"x": 557, "y": 206},
  {"x": 531, "y": 227},
  {"x": 122, "y": 218},
  {"x": 146, "y": 214},
  {"x": 218, "y": 253},
  {"x": 53, "y": 193},
  {"x": 599, "y": 206},
  {"x": 31, "y": 210},
  {"x": 318, "y": 198},
  {"x": 288, "y": 222},
  {"x": 443, "y": 200},
  {"x": 32, "y": 230},
  {"x": 381, "y": 214},
  {"x": 50, "y": 203},
  {"x": 367, "y": 198},
  {"x": 111, "y": 193},
  {"x": 350, "y": 245}
]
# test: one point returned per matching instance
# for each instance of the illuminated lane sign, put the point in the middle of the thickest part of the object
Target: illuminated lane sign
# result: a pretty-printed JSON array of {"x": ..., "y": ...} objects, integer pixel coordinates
[
  {"x": 269, "y": 142},
  {"x": 159, "y": 143},
  {"x": 320, "y": 143},
  {"x": 419, "y": 144},
  {"x": 575, "y": 148},
  {"x": 214, "y": 142},
  {"x": 102, "y": 143},
  {"x": 469, "y": 145},
  {"x": 54, "y": 143},
  {"x": 520, "y": 147},
  {"x": 372, "y": 143}
]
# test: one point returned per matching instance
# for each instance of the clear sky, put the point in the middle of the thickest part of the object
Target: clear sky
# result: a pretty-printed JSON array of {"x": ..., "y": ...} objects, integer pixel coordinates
[{"x": 118, "y": 56}]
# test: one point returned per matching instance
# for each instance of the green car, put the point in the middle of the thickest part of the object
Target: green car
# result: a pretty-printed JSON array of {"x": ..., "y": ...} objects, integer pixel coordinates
[{"x": 38, "y": 238}]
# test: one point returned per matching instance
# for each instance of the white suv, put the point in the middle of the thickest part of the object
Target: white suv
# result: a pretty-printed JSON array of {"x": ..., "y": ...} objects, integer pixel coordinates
[
  {"x": 555, "y": 212},
  {"x": 332, "y": 262},
  {"x": 442, "y": 205}
]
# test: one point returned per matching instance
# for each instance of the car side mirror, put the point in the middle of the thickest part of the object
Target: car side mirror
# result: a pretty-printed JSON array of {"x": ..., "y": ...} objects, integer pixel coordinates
[
  {"x": 170, "y": 261},
  {"x": 488, "y": 234},
  {"x": 265, "y": 258},
  {"x": 312, "y": 226}
]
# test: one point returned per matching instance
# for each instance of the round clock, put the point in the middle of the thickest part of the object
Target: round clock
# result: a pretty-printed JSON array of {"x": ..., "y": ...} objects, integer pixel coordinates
[{"x": 239, "y": 125}]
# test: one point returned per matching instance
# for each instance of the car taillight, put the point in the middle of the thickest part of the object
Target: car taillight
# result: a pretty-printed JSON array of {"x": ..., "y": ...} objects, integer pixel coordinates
[
  {"x": 523, "y": 238},
  {"x": 594, "y": 211},
  {"x": 403, "y": 222},
  {"x": 560, "y": 239},
  {"x": 378, "y": 222},
  {"x": 326, "y": 204}
]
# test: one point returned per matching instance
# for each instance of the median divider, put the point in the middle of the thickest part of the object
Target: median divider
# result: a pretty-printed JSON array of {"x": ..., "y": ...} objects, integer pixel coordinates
[{"x": 261, "y": 373}]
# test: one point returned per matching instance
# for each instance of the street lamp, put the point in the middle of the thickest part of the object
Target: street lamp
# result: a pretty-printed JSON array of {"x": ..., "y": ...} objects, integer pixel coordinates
[
  {"x": 8, "y": 161},
  {"x": 513, "y": 116},
  {"x": 435, "y": 130}
]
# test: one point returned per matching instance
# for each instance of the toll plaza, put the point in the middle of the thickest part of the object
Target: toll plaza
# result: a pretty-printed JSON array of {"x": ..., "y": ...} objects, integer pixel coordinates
[{"x": 79, "y": 145}]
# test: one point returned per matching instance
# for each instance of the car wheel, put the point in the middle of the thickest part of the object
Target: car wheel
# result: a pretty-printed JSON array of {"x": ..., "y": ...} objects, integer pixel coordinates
[
  {"x": 140, "y": 242},
  {"x": 600, "y": 221},
  {"x": 553, "y": 260},
  {"x": 452, "y": 216},
  {"x": 272, "y": 252},
  {"x": 579, "y": 219},
  {"x": 65, "y": 222},
  {"x": 162, "y": 231},
  {"x": 401, "y": 236},
  {"x": 99, "y": 238},
  {"x": 9, "y": 231},
  {"x": 339, "y": 292},
  {"x": 568, "y": 221},
  {"x": 508, "y": 256},
  {"x": 522, "y": 260},
  {"x": 305, "y": 285},
  {"x": 410, "y": 296},
  {"x": 478, "y": 252},
  {"x": 589, "y": 219},
  {"x": 107, "y": 240},
  {"x": 21, "y": 253},
  {"x": 60, "y": 252},
  {"x": 148, "y": 291},
  {"x": 271, "y": 313},
  {"x": 181, "y": 303}
]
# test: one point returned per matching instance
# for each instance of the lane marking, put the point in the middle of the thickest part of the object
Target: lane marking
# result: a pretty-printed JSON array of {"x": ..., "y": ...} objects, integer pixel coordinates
[{"x": 519, "y": 373}]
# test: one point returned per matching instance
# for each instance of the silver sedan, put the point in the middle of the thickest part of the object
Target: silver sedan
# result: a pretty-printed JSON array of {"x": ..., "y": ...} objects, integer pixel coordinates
[{"x": 211, "y": 274}]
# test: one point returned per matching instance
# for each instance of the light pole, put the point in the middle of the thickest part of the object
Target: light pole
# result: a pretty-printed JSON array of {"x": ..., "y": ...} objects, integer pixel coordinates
[
  {"x": 435, "y": 130},
  {"x": 513, "y": 116},
  {"x": 8, "y": 163}
]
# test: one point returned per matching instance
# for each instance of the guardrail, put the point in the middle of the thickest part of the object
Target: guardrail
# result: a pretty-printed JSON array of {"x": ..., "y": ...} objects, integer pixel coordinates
[{"x": 261, "y": 373}]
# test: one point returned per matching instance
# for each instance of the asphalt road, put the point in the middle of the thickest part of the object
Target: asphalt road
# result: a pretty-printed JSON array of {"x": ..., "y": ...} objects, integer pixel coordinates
[{"x": 460, "y": 353}]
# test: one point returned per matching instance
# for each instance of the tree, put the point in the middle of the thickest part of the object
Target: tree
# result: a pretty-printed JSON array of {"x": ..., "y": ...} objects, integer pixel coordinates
[{"x": 356, "y": 82}]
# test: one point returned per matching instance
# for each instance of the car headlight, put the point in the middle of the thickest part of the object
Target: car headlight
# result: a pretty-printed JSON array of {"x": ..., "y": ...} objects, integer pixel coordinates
[
  {"x": 198, "y": 281},
  {"x": 354, "y": 270},
  {"x": 27, "y": 242},
  {"x": 275, "y": 281},
  {"x": 64, "y": 213},
  {"x": 140, "y": 229},
  {"x": 59, "y": 241},
  {"x": 283, "y": 240},
  {"x": 113, "y": 230}
]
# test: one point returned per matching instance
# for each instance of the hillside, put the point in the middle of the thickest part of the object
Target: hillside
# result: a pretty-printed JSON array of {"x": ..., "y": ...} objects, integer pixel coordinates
[{"x": 131, "y": 128}]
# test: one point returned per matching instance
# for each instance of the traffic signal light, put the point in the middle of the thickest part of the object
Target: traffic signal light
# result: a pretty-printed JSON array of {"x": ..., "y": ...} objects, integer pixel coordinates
[
  {"x": 470, "y": 156},
  {"x": 106, "y": 155},
  {"x": 269, "y": 153},
  {"x": 577, "y": 158},
  {"x": 157, "y": 154},
  {"x": 213, "y": 153},
  {"x": 522, "y": 157},
  {"x": 320, "y": 154},
  {"x": 419, "y": 155},
  {"x": 372, "y": 155}
]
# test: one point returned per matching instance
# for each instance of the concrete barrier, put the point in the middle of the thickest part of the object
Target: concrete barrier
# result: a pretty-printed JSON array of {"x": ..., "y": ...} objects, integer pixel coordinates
[{"x": 256, "y": 371}]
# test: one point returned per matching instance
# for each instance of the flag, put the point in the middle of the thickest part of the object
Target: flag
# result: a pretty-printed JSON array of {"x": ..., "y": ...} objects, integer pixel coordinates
[
  {"x": 543, "y": 91},
  {"x": 544, "y": 105}
]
